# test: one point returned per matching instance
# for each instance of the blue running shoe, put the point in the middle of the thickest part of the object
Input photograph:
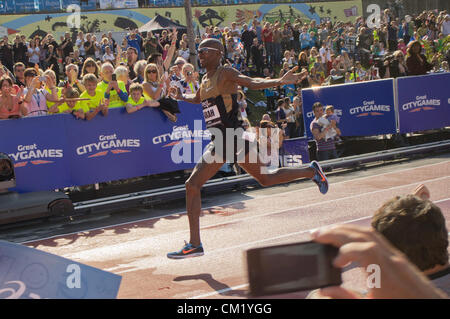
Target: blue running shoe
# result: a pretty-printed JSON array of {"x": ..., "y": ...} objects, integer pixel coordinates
[
  {"x": 319, "y": 177},
  {"x": 187, "y": 251}
]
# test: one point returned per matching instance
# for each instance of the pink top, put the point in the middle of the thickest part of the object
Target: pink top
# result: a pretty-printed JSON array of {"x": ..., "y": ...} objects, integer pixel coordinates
[
  {"x": 402, "y": 47},
  {"x": 15, "y": 111},
  {"x": 38, "y": 104}
]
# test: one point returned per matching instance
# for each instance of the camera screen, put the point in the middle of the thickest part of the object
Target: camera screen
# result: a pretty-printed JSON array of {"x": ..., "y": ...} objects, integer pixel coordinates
[{"x": 293, "y": 267}]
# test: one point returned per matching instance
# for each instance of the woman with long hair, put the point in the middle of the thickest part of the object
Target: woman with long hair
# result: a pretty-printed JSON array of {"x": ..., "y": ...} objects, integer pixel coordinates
[
  {"x": 33, "y": 53},
  {"x": 416, "y": 62},
  {"x": 90, "y": 66},
  {"x": 11, "y": 106},
  {"x": 155, "y": 87},
  {"x": 303, "y": 60}
]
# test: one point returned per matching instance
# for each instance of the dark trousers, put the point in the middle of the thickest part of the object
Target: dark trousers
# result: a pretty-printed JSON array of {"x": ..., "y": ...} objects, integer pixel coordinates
[{"x": 326, "y": 155}]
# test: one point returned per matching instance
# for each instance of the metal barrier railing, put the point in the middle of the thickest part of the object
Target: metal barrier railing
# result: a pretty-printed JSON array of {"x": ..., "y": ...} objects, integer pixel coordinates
[{"x": 178, "y": 192}]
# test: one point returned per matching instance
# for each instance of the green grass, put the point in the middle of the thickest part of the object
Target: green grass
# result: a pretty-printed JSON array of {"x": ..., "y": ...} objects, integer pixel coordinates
[{"x": 256, "y": 112}]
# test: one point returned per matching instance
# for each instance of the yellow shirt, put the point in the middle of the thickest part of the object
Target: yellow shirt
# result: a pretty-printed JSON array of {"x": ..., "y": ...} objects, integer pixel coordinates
[
  {"x": 94, "y": 101},
  {"x": 50, "y": 104},
  {"x": 114, "y": 99},
  {"x": 78, "y": 106},
  {"x": 132, "y": 102}
]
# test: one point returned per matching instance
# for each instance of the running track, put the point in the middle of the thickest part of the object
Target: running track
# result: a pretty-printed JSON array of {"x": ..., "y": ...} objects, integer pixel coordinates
[{"x": 137, "y": 250}]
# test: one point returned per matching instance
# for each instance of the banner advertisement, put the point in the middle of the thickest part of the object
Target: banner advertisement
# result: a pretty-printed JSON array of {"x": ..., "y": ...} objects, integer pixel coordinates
[
  {"x": 363, "y": 109},
  {"x": 423, "y": 102},
  {"x": 94, "y": 21},
  {"x": 28, "y": 273},
  {"x": 85, "y": 5},
  {"x": 58, "y": 151},
  {"x": 38, "y": 148},
  {"x": 50, "y": 5},
  {"x": 294, "y": 152},
  {"x": 118, "y": 4}
]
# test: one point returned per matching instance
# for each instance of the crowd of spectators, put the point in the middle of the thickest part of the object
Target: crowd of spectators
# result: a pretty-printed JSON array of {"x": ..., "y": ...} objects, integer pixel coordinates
[{"x": 44, "y": 71}]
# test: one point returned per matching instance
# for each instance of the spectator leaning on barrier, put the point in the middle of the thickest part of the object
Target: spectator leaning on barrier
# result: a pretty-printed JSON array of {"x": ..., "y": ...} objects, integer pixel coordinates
[
  {"x": 114, "y": 90},
  {"x": 136, "y": 100},
  {"x": 96, "y": 102},
  {"x": 11, "y": 103},
  {"x": 52, "y": 106},
  {"x": 416, "y": 226},
  {"x": 326, "y": 149},
  {"x": 69, "y": 104},
  {"x": 36, "y": 98}
]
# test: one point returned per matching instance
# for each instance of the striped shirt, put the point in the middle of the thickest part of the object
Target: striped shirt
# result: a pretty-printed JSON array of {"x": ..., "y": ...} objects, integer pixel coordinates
[{"x": 321, "y": 144}]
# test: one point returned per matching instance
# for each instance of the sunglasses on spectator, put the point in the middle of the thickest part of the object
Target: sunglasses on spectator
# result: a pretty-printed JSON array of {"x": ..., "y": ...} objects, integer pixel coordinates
[
  {"x": 152, "y": 71},
  {"x": 206, "y": 49},
  {"x": 90, "y": 64}
]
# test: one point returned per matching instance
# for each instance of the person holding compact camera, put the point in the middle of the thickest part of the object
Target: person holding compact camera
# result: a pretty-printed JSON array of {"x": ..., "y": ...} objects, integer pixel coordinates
[
  {"x": 189, "y": 83},
  {"x": 401, "y": 278},
  {"x": 35, "y": 97},
  {"x": 395, "y": 65},
  {"x": 114, "y": 91}
]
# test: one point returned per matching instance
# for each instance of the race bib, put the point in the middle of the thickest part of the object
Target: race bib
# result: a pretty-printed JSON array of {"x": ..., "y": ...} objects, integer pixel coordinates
[{"x": 211, "y": 114}]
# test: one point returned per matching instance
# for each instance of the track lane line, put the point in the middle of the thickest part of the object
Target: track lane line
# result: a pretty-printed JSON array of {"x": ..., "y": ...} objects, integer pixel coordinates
[{"x": 284, "y": 210}]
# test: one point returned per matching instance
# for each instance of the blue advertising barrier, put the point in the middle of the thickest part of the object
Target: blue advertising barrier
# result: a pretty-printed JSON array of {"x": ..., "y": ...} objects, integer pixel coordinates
[
  {"x": 294, "y": 152},
  {"x": 364, "y": 108},
  {"x": 38, "y": 148},
  {"x": 28, "y": 273},
  {"x": 57, "y": 151},
  {"x": 423, "y": 102}
]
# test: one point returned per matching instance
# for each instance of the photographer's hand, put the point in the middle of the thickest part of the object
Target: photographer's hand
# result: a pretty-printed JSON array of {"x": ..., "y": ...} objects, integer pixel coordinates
[{"x": 399, "y": 277}]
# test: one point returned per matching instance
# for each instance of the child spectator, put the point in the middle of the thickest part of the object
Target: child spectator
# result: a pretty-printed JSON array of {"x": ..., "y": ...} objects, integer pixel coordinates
[
  {"x": 136, "y": 100},
  {"x": 96, "y": 102},
  {"x": 70, "y": 105},
  {"x": 242, "y": 104},
  {"x": 333, "y": 121}
]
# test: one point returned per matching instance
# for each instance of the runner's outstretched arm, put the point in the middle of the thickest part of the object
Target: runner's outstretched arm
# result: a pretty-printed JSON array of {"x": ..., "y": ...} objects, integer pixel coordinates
[{"x": 290, "y": 77}]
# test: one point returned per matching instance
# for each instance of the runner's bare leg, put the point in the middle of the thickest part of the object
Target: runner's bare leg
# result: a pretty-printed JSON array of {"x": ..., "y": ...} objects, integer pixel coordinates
[{"x": 202, "y": 172}]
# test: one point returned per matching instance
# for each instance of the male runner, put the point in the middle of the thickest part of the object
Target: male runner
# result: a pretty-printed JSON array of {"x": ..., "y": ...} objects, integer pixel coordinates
[{"x": 218, "y": 95}]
